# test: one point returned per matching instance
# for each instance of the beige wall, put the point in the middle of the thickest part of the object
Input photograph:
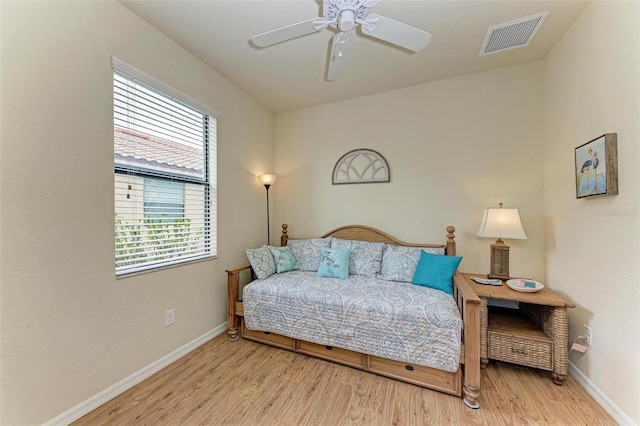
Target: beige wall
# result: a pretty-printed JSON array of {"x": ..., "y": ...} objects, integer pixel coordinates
[
  {"x": 69, "y": 328},
  {"x": 454, "y": 147},
  {"x": 592, "y": 245}
]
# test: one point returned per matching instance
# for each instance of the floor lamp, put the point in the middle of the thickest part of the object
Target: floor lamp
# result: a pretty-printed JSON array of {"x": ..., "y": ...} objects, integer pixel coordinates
[
  {"x": 501, "y": 223},
  {"x": 267, "y": 181}
]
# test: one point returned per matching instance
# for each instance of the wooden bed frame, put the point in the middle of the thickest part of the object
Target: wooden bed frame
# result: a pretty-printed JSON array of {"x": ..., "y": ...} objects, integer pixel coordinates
[{"x": 464, "y": 382}]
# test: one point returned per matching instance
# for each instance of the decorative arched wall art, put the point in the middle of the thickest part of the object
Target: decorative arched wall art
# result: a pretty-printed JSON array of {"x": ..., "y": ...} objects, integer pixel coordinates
[{"x": 361, "y": 166}]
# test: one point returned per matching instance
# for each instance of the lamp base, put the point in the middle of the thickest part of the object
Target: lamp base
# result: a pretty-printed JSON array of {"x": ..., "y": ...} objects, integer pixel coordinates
[{"x": 499, "y": 261}]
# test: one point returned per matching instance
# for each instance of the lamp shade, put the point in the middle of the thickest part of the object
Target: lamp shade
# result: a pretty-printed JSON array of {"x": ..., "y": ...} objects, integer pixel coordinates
[
  {"x": 502, "y": 223},
  {"x": 267, "y": 179}
]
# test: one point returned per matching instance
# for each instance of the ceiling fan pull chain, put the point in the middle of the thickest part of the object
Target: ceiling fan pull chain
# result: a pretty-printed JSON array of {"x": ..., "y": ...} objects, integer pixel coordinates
[{"x": 341, "y": 38}]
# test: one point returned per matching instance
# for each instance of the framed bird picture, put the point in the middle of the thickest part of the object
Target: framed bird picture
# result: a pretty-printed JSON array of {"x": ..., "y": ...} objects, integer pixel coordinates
[{"x": 597, "y": 167}]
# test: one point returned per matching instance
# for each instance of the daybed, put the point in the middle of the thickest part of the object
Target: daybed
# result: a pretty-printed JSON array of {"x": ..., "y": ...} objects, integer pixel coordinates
[{"x": 358, "y": 321}]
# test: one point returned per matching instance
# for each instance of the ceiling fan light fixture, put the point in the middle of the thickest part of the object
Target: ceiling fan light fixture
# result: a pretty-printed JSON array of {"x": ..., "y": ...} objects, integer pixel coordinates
[{"x": 347, "y": 20}]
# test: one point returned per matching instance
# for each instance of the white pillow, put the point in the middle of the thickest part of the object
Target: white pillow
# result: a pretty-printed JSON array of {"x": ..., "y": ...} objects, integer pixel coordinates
[
  {"x": 365, "y": 258},
  {"x": 307, "y": 252}
]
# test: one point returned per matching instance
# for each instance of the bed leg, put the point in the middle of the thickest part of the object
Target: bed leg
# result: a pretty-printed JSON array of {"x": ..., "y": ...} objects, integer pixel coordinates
[
  {"x": 233, "y": 284},
  {"x": 471, "y": 397},
  {"x": 233, "y": 334}
]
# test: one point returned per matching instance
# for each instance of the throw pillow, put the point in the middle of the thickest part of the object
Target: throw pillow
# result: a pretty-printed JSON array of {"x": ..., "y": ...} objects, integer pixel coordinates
[
  {"x": 307, "y": 252},
  {"x": 366, "y": 257},
  {"x": 399, "y": 262},
  {"x": 285, "y": 261},
  {"x": 262, "y": 262},
  {"x": 436, "y": 271},
  {"x": 334, "y": 263}
]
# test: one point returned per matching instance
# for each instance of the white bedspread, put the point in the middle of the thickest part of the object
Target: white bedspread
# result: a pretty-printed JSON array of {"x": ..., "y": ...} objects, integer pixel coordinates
[{"x": 394, "y": 320}]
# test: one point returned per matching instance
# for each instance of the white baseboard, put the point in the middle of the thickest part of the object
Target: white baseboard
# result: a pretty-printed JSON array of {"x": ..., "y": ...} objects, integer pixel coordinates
[
  {"x": 614, "y": 411},
  {"x": 111, "y": 392}
]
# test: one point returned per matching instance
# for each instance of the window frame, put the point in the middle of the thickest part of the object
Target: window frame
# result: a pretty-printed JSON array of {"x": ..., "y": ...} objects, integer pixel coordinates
[{"x": 208, "y": 180}]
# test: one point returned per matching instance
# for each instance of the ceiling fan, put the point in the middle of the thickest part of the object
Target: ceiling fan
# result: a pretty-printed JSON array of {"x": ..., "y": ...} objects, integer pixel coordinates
[{"x": 344, "y": 16}]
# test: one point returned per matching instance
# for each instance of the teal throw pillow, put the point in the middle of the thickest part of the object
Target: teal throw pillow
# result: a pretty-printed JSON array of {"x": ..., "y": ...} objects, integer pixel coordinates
[
  {"x": 285, "y": 260},
  {"x": 334, "y": 263},
  {"x": 436, "y": 271},
  {"x": 262, "y": 262}
]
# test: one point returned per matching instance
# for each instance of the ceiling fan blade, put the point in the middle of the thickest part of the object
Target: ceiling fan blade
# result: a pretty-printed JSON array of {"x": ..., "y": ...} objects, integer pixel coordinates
[
  {"x": 286, "y": 33},
  {"x": 397, "y": 33},
  {"x": 338, "y": 56}
]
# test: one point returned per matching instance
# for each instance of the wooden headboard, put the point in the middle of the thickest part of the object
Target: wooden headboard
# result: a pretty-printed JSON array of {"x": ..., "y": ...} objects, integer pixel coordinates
[{"x": 367, "y": 233}]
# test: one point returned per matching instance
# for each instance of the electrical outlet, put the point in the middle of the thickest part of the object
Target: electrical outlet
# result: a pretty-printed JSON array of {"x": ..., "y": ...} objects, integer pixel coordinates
[
  {"x": 169, "y": 317},
  {"x": 587, "y": 334}
]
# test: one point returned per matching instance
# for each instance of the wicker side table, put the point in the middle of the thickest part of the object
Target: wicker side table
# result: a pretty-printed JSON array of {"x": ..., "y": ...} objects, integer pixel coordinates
[{"x": 536, "y": 338}]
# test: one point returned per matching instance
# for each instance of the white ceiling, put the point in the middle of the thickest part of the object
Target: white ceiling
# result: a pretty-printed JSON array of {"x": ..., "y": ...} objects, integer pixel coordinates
[{"x": 291, "y": 75}]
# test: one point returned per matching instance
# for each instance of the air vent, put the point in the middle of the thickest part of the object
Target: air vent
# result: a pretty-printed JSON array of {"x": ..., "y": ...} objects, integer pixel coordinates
[{"x": 512, "y": 35}]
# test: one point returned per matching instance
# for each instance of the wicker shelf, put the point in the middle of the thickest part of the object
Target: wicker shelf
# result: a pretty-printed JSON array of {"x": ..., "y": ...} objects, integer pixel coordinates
[{"x": 514, "y": 338}]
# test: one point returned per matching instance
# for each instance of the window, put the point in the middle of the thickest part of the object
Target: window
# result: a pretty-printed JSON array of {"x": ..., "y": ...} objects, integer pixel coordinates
[{"x": 164, "y": 163}]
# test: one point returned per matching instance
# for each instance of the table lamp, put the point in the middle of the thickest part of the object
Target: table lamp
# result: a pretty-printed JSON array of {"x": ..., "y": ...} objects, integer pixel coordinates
[{"x": 501, "y": 223}]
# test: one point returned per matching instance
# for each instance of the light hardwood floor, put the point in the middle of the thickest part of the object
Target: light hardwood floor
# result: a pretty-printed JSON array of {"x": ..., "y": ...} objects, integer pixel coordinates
[{"x": 246, "y": 383}]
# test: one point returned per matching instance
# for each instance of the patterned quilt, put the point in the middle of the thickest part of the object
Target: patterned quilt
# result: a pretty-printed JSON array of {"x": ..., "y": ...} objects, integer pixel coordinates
[{"x": 390, "y": 319}]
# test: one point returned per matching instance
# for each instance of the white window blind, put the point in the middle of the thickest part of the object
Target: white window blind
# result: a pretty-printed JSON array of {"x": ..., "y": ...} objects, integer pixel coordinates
[{"x": 165, "y": 174}]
